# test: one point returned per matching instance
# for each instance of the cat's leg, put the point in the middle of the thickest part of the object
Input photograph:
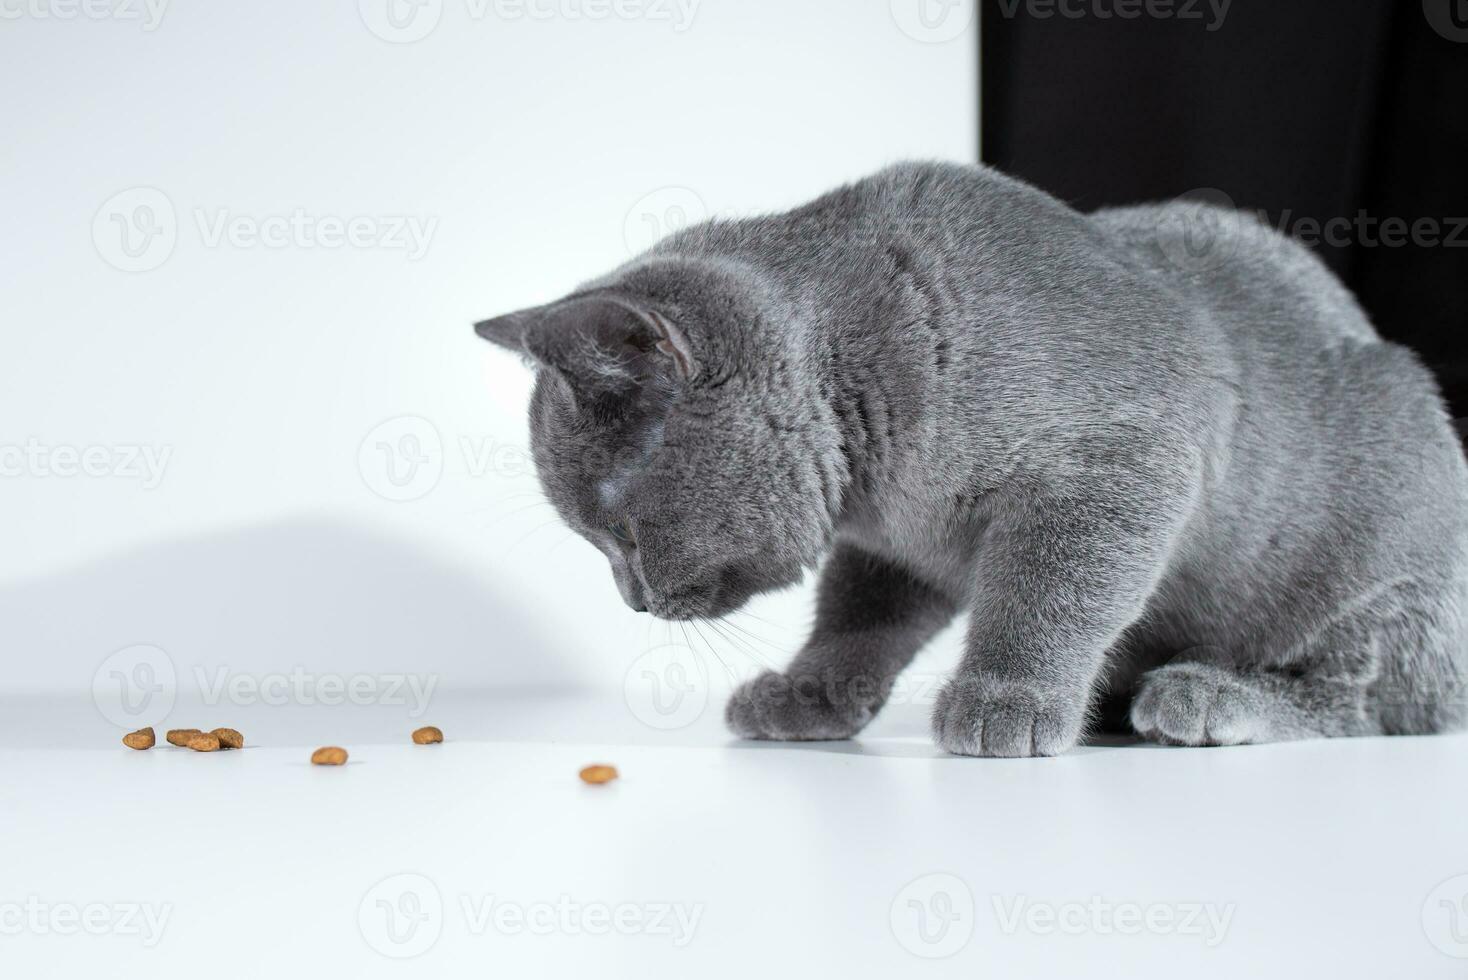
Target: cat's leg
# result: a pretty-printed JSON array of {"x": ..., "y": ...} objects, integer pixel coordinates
[
  {"x": 1189, "y": 702},
  {"x": 1391, "y": 667},
  {"x": 1057, "y": 582},
  {"x": 1141, "y": 648},
  {"x": 872, "y": 616}
]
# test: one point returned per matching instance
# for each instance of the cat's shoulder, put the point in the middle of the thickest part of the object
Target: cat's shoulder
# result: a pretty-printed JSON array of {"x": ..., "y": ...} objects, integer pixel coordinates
[{"x": 911, "y": 180}]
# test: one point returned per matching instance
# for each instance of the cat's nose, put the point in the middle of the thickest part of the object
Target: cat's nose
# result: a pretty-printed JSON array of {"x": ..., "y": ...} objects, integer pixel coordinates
[
  {"x": 634, "y": 599},
  {"x": 629, "y": 586}
]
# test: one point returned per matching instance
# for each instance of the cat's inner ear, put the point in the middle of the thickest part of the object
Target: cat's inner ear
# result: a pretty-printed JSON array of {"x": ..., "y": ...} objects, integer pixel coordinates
[
  {"x": 672, "y": 342},
  {"x": 598, "y": 341}
]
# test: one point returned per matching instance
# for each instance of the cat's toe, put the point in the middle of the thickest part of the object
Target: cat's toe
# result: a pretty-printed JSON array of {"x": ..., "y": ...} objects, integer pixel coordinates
[
  {"x": 1195, "y": 704},
  {"x": 771, "y": 706},
  {"x": 1004, "y": 720},
  {"x": 741, "y": 715}
]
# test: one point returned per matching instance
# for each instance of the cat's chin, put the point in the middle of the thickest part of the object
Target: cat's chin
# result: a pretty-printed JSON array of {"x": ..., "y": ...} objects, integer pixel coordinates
[
  {"x": 712, "y": 607},
  {"x": 734, "y": 587}
]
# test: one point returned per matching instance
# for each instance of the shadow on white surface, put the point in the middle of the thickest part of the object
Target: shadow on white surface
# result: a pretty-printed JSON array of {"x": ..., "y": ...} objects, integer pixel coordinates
[
  {"x": 886, "y": 745},
  {"x": 252, "y": 607}
]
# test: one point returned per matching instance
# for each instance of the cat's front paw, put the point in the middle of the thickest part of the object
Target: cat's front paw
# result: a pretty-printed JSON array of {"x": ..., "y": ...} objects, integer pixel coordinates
[
  {"x": 1004, "y": 718},
  {"x": 773, "y": 706},
  {"x": 1196, "y": 704}
]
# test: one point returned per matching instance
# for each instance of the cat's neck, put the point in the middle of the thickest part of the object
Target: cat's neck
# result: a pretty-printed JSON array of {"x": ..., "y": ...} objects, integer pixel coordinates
[{"x": 861, "y": 386}]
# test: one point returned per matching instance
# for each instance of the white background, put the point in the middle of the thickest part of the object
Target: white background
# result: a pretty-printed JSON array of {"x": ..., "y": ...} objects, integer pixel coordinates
[{"x": 539, "y": 143}]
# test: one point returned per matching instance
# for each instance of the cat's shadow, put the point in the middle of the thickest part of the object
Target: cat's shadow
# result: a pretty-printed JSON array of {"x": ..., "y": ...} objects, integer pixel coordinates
[
  {"x": 921, "y": 747},
  {"x": 317, "y": 594}
]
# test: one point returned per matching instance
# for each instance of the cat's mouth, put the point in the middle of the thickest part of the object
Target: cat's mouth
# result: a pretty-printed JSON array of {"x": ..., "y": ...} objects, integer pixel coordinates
[
  {"x": 717, "y": 594},
  {"x": 705, "y": 603}
]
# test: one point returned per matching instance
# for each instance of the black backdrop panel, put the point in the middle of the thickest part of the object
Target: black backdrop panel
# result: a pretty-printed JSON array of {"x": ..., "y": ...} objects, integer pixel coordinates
[{"x": 1346, "y": 111}]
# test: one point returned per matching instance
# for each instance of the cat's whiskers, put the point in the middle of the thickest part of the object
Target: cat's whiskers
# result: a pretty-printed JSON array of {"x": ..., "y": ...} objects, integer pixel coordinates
[
  {"x": 564, "y": 538},
  {"x": 751, "y": 634},
  {"x": 506, "y": 515},
  {"x": 739, "y": 645},
  {"x": 760, "y": 619},
  {"x": 536, "y": 496},
  {"x": 683, "y": 625},
  {"x": 728, "y": 671},
  {"x": 533, "y": 531}
]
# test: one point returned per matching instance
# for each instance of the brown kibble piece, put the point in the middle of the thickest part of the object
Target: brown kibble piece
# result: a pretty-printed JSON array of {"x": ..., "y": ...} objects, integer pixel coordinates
[
  {"x": 329, "y": 756},
  {"x": 427, "y": 735},
  {"x": 229, "y": 738},
  {"x": 143, "y": 738},
  {"x": 203, "y": 742},
  {"x": 598, "y": 774},
  {"x": 181, "y": 736}
]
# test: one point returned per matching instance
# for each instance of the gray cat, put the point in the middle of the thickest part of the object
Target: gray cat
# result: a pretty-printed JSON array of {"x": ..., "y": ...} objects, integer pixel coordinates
[{"x": 1158, "y": 455}]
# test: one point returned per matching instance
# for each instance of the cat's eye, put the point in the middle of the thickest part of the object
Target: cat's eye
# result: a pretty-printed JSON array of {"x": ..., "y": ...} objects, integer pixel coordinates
[{"x": 620, "y": 532}]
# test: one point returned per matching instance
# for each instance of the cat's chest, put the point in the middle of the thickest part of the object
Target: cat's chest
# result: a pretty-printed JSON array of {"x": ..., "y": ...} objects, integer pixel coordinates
[{"x": 937, "y": 538}]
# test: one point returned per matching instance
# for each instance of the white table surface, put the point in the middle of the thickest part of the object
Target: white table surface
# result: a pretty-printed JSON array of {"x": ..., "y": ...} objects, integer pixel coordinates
[{"x": 855, "y": 859}]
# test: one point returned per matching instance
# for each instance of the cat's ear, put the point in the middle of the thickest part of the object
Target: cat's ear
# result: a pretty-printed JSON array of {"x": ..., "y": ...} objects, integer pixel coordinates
[{"x": 600, "y": 341}]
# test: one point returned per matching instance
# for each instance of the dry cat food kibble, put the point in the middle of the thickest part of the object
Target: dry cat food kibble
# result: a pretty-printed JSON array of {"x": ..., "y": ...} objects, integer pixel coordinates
[
  {"x": 203, "y": 742},
  {"x": 329, "y": 756},
  {"x": 598, "y": 774},
  {"x": 181, "y": 736},
  {"x": 143, "y": 738},
  {"x": 229, "y": 738},
  {"x": 427, "y": 735}
]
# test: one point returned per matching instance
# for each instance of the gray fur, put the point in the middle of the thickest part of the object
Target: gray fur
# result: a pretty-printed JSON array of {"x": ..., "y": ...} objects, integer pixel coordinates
[{"x": 1191, "y": 480}]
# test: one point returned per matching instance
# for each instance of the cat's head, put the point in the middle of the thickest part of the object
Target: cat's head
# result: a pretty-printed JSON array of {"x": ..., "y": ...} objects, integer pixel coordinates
[{"x": 678, "y": 425}]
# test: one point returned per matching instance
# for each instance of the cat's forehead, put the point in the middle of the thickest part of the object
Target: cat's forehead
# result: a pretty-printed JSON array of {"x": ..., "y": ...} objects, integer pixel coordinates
[
  {"x": 595, "y": 465},
  {"x": 640, "y": 445},
  {"x": 610, "y": 491}
]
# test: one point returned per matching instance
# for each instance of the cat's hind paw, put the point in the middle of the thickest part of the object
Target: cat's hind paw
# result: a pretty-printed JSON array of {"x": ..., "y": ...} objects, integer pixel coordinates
[
  {"x": 1198, "y": 704},
  {"x": 772, "y": 706}
]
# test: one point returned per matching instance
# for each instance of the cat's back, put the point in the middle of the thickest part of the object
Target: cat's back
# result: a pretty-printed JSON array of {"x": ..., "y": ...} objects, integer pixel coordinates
[
  {"x": 1251, "y": 278},
  {"x": 1327, "y": 410},
  {"x": 1308, "y": 356},
  {"x": 958, "y": 219}
]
